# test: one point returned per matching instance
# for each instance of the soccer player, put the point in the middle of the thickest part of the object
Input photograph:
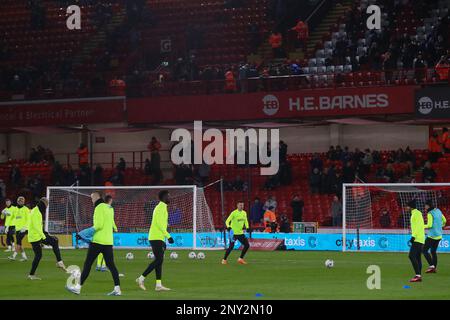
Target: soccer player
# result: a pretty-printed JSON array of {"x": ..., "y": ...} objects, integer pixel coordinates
[
  {"x": 417, "y": 240},
  {"x": 10, "y": 229},
  {"x": 102, "y": 242},
  {"x": 101, "y": 264},
  {"x": 435, "y": 222},
  {"x": 21, "y": 216},
  {"x": 237, "y": 222},
  {"x": 157, "y": 234},
  {"x": 38, "y": 237}
]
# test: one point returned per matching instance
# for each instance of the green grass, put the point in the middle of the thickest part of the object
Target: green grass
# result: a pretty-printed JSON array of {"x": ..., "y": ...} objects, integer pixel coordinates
[{"x": 275, "y": 275}]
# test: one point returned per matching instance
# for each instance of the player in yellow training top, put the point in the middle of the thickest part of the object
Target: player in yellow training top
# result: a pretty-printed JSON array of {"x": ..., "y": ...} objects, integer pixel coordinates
[{"x": 237, "y": 222}]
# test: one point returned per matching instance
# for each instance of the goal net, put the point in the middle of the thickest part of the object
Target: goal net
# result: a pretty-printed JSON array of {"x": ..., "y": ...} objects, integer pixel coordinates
[
  {"x": 190, "y": 218},
  {"x": 375, "y": 215}
]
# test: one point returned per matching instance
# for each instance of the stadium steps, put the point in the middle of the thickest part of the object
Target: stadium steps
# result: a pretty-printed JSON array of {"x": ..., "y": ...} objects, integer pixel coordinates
[
  {"x": 99, "y": 39},
  {"x": 325, "y": 26}
]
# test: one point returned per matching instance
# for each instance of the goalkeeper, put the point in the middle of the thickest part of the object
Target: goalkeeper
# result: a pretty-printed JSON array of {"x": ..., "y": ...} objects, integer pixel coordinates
[
  {"x": 38, "y": 237},
  {"x": 237, "y": 222},
  {"x": 157, "y": 234},
  {"x": 435, "y": 222},
  {"x": 102, "y": 242},
  {"x": 417, "y": 240},
  {"x": 10, "y": 229}
]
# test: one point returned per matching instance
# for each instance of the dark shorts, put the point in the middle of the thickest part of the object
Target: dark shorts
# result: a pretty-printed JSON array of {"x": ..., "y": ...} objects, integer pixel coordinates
[
  {"x": 241, "y": 238},
  {"x": 20, "y": 236}
]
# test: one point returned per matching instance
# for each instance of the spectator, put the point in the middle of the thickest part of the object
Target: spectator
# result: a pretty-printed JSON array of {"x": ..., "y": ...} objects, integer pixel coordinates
[
  {"x": 326, "y": 181},
  {"x": 302, "y": 30},
  {"x": 147, "y": 167},
  {"x": 117, "y": 86},
  {"x": 445, "y": 140},
  {"x": 315, "y": 180},
  {"x": 117, "y": 178},
  {"x": 428, "y": 173},
  {"x": 316, "y": 162},
  {"x": 276, "y": 42},
  {"x": 271, "y": 202},
  {"x": 15, "y": 176},
  {"x": 230, "y": 82},
  {"x": 336, "y": 212},
  {"x": 98, "y": 175},
  {"x": 2, "y": 189},
  {"x": 385, "y": 219},
  {"x": 442, "y": 68},
  {"x": 389, "y": 174},
  {"x": 297, "y": 205},
  {"x": 83, "y": 155},
  {"x": 239, "y": 184},
  {"x": 348, "y": 173},
  {"x": 420, "y": 66},
  {"x": 121, "y": 166},
  {"x": 57, "y": 174},
  {"x": 270, "y": 220},
  {"x": 256, "y": 211},
  {"x": 283, "y": 151},
  {"x": 155, "y": 160},
  {"x": 434, "y": 147},
  {"x": 285, "y": 225}
]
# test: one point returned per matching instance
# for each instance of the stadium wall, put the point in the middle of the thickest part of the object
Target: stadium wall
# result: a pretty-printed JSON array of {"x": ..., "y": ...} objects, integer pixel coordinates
[{"x": 300, "y": 139}]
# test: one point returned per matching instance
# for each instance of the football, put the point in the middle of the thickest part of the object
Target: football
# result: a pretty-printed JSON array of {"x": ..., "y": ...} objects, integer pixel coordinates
[
  {"x": 129, "y": 256},
  {"x": 192, "y": 255},
  {"x": 173, "y": 255},
  {"x": 150, "y": 255},
  {"x": 201, "y": 255},
  {"x": 329, "y": 263}
]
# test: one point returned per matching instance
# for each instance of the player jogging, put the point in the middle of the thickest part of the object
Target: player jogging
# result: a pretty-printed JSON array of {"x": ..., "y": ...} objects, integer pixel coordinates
[
  {"x": 435, "y": 222},
  {"x": 237, "y": 222},
  {"x": 38, "y": 237},
  {"x": 157, "y": 234},
  {"x": 102, "y": 242},
  {"x": 21, "y": 216},
  {"x": 417, "y": 240},
  {"x": 10, "y": 229},
  {"x": 101, "y": 264}
]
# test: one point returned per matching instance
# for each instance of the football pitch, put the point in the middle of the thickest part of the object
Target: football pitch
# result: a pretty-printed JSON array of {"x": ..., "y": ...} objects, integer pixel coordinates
[{"x": 269, "y": 275}]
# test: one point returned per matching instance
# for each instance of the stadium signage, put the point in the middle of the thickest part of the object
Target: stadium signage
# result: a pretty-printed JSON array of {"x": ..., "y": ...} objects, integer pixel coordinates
[
  {"x": 274, "y": 105},
  {"x": 433, "y": 103},
  {"x": 60, "y": 112}
]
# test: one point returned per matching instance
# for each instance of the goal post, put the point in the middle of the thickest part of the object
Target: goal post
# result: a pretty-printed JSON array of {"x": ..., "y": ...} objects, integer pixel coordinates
[
  {"x": 375, "y": 215},
  {"x": 190, "y": 224}
]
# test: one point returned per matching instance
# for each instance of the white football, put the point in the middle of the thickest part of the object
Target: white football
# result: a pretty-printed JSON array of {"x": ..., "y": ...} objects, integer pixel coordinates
[
  {"x": 201, "y": 255},
  {"x": 129, "y": 256},
  {"x": 192, "y": 255},
  {"x": 150, "y": 255},
  {"x": 329, "y": 263},
  {"x": 173, "y": 255}
]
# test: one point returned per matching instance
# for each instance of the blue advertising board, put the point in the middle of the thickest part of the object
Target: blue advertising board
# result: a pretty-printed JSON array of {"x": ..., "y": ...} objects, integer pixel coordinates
[{"x": 292, "y": 241}]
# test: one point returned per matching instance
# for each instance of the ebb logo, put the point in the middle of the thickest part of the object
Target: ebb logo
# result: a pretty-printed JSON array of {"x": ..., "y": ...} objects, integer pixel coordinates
[
  {"x": 425, "y": 105},
  {"x": 270, "y": 105}
]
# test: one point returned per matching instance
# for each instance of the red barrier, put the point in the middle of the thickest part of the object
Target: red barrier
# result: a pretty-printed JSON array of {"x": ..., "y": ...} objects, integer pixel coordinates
[
  {"x": 286, "y": 104},
  {"x": 61, "y": 112}
]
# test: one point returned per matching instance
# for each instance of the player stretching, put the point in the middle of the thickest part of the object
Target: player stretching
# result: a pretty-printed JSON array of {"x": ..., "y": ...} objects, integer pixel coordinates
[
  {"x": 237, "y": 222},
  {"x": 37, "y": 237},
  {"x": 417, "y": 240},
  {"x": 10, "y": 229},
  {"x": 21, "y": 216},
  {"x": 157, "y": 234},
  {"x": 102, "y": 242},
  {"x": 435, "y": 222},
  {"x": 101, "y": 264}
]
